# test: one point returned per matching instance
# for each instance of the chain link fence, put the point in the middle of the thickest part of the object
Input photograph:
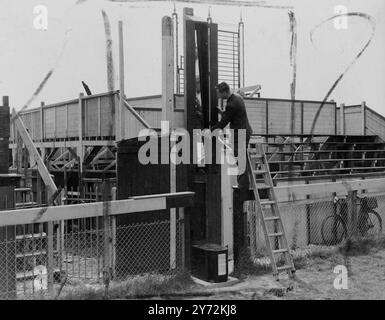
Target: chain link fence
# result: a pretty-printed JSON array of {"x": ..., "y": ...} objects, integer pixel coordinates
[
  {"x": 326, "y": 222},
  {"x": 84, "y": 253}
]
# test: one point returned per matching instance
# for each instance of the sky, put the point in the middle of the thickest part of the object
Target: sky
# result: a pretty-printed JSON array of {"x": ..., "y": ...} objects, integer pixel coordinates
[{"x": 74, "y": 46}]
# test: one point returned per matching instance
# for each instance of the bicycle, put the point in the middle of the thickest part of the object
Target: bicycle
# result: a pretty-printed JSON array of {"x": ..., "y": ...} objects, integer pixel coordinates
[{"x": 334, "y": 228}]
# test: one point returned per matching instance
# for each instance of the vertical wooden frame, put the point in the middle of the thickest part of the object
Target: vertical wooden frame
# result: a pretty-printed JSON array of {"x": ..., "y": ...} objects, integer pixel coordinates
[
  {"x": 342, "y": 119},
  {"x": 207, "y": 44},
  {"x": 363, "y": 118},
  {"x": 80, "y": 151}
]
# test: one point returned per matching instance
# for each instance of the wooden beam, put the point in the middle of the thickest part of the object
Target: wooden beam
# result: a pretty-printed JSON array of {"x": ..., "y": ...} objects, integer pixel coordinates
[
  {"x": 363, "y": 117},
  {"x": 88, "y": 210},
  {"x": 168, "y": 115},
  {"x": 136, "y": 115},
  {"x": 113, "y": 163},
  {"x": 167, "y": 71},
  {"x": 342, "y": 119},
  {"x": 99, "y": 118},
  {"x": 80, "y": 151},
  {"x": 100, "y": 154},
  {"x": 43, "y": 171},
  {"x": 293, "y": 192},
  {"x": 60, "y": 157}
]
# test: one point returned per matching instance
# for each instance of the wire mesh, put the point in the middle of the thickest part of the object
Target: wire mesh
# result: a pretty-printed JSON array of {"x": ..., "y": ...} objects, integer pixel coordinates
[
  {"x": 313, "y": 222},
  {"x": 81, "y": 254}
]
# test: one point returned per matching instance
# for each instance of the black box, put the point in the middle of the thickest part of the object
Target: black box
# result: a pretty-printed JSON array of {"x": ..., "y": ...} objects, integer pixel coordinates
[{"x": 210, "y": 262}]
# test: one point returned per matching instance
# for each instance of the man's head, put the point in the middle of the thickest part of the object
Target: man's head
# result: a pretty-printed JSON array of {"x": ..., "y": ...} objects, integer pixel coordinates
[{"x": 223, "y": 90}]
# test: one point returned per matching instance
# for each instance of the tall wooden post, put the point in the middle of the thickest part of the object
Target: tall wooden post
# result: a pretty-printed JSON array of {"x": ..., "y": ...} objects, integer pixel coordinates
[
  {"x": 120, "y": 130},
  {"x": 80, "y": 149},
  {"x": 113, "y": 236},
  {"x": 352, "y": 213},
  {"x": 342, "y": 119},
  {"x": 167, "y": 71},
  {"x": 363, "y": 117},
  {"x": 168, "y": 115}
]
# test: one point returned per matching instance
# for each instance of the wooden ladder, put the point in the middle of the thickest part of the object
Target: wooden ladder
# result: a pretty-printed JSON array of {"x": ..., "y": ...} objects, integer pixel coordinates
[{"x": 275, "y": 237}]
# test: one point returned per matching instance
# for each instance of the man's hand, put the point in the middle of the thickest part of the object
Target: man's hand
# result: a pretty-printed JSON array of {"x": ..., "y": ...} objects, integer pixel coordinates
[{"x": 220, "y": 110}]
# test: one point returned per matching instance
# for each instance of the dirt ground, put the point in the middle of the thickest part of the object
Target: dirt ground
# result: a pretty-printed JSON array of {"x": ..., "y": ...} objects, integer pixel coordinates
[
  {"x": 315, "y": 277},
  {"x": 366, "y": 280}
]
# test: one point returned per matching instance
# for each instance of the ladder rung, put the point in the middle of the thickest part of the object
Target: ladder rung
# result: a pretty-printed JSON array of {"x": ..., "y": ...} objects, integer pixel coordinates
[
  {"x": 271, "y": 218},
  {"x": 267, "y": 202},
  {"x": 259, "y": 171},
  {"x": 263, "y": 186},
  {"x": 285, "y": 267},
  {"x": 280, "y": 250},
  {"x": 256, "y": 156},
  {"x": 278, "y": 234},
  {"x": 23, "y": 189}
]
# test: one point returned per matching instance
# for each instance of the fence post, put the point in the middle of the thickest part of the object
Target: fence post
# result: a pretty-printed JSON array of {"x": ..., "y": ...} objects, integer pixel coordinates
[
  {"x": 80, "y": 149},
  {"x": 342, "y": 119},
  {"x": 113, "y": 236},
  {"x": 106, "y": 235},
  {"x": 363, "y": 114},
  {"x": 50, "y": 264},
  {"x": 252, "y": 214},
  {"x": 352, "y": 214},
  {"x": 61, "y": 228}
]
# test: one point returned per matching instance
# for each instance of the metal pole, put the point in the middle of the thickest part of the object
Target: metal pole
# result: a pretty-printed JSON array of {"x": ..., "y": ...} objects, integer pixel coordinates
[{"x": 241, "y": 53}]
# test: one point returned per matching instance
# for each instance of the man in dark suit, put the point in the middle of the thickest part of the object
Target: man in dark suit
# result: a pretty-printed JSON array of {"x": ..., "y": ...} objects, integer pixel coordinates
[{"x": 235, "y": 115}]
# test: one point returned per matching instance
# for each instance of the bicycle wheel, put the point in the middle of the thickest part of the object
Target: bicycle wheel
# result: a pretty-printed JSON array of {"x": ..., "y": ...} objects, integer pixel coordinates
[
  {"x": 370, "y": 224},
  {"x": 333, "y": 230}
]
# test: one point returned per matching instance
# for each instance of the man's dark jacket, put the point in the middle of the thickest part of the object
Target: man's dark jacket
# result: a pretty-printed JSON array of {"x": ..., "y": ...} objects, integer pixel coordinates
[{"x": 236, "y": 115}]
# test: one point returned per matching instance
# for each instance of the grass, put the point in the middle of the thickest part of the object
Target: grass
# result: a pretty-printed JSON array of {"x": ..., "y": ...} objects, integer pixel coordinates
[
  {"x": 356, "y": 246},
  {"x": 302, "y": 258},
  {"x": 150, "y": 285},
  {"x": 245, "y": 266},
  {"x": 180, "y": 284}
]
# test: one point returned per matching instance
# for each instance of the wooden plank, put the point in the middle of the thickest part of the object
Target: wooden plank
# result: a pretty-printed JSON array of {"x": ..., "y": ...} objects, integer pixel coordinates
[
  {"x": 342, "y": 118},
  {"x": 99, "y": 122},
  {"x": 113, "y": 236},
  {"x": 167, "y": 71},
  {"x": 77, "y": 211},
  {"x": 33, "y": 152},
  {"x": 143, "y": 122},
  {"x": 80, "y": 151},
  {"x": 293, "y": 192},
  {"x": 267, "y": 117},
  {"x": 168, "y": 115},
  {"x": 363, "y": 120},
  {"x": 375, "y": 123},
  {"x": 227, "y": 208}
]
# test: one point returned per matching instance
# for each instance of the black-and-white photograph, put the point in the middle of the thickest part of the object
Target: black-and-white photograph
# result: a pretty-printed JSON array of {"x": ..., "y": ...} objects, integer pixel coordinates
[{"x": 199, "y": 150}]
